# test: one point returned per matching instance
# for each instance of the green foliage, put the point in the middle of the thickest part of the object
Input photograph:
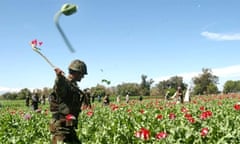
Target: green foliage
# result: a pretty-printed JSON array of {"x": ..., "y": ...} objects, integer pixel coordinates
[
  {"x": 205, "y": 83},
  {"x": 118, "y": 123},
  {"x": 145, "y": 85},
  {"x": 16, "y": 128},
  {"x": 170, "y": 85},
  {"x": 132, "y": 88},
  {"x": 99, "y": 90},
  {"x": 231, "y": 86}
]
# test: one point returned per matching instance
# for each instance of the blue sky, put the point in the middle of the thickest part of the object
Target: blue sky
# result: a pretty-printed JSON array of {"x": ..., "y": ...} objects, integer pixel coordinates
[{"x": 120, "y": 40}]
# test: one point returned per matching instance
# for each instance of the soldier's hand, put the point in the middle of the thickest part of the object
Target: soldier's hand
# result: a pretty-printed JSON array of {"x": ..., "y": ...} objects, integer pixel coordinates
[{"x": 59, "y": 72}]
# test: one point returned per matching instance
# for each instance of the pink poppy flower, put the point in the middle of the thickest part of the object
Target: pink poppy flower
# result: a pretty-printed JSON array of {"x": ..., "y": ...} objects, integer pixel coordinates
[
  {"x": 204, "y": 132},
  {"x": 184, "y": 110},
  {"x": 89, "y": 113},
  {"x": 172, "y": 116},
  {"x": 161, "y": 135},
  {"x": 27, "y": 116}
]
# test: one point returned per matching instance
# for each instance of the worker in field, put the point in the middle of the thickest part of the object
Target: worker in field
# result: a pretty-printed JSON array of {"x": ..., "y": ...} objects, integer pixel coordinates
[
  {"x": 179, "y": 94},
  {"x": 65, "y": 103},
  {"x": 27, "y": 100},
  {"x": 106, "y": 100},
  {"x": 87, "y": 98},
  {"x": 35, "y": 100},
  {"x": 127, "y": 97}
]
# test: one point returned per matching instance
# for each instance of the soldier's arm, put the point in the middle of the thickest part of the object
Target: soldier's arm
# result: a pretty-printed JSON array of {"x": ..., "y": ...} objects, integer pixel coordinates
[{"x": 60, "y": 83}]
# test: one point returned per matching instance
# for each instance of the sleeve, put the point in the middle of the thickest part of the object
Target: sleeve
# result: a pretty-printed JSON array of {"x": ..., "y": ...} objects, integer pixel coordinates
[{"x": 60, "y": 86}]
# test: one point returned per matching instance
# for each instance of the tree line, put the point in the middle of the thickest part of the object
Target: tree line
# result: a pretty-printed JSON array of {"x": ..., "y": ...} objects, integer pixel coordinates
[{"x": 203, "y": 84}]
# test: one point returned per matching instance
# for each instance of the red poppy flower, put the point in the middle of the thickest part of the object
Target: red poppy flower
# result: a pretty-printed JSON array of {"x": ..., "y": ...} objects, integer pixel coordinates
[
  {"x": 184, "y": 110},
  {"x": 202, "y": 108},
  {"x": 114, "y": 107},
  {"x": 237, "y": 106},
  {"x": 172, "y": 116},
  {"x": 206, "y": 114},
  {"x": 70, "y": 117},
  {"x": 143, "y": 133},
  {"x": 161, "y": 135},
  {"x": 191, "y": 120},
  {"x": 159, "y": 117},
  {"x": 142, "y": 111},
  {"x": 204, "y": 132},
  {"x": 187, "y": 115}
]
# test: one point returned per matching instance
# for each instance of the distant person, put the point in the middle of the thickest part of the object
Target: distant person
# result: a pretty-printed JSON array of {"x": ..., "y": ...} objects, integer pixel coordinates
[
  {"x": 106, "y": 100},
  {"x": 93, "y": 98},
  {"x": 187, "y": 96},
  {"x": 99, "y": 98},
  {"x": 140, "y": 98},
  {"x": 167, "y": 95},
  {"x": 35, "y": 100},
  {"x": 127, "y": 98},
  {"x": 27, "y": 100},
  {"x": 179, "y": 94},
  {"x": 118, "y": 99},
  {"x": 43, "y": 99},
  {"x": 87, "y": 98}
]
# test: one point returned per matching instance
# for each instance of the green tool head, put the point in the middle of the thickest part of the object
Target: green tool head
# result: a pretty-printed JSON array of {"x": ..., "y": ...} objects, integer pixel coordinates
[{"x": 68, "y": 9}]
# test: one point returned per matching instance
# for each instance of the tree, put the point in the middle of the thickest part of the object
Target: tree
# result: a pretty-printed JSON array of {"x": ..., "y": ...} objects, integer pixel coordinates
[
  {"x": 170, "y": 85},
  {"x": 145, "y": 85},
  {"x": 99, "y": 90},
  {"x": 23, "y": 93},
  {"x": 132, "y": 88},
  {"x": 205, "y": 83},
  {"x": 231, "y": 86}
]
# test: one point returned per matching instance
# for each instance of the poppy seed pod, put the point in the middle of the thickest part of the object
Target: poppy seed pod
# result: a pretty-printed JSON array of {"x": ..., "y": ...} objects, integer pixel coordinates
[{"x": 68, "y": 9}]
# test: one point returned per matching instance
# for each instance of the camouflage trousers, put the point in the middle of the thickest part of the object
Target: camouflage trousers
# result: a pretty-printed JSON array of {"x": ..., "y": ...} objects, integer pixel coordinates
[{"x": 62, "y": 134}]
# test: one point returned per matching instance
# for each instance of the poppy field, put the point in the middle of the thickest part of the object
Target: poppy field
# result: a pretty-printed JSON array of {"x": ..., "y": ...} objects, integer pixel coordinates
[{"x": 206, "y": 119}]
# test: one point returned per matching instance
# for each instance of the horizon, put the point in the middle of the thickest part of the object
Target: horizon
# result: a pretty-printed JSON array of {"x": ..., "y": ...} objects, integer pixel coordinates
[{"x": 227, "y": 72}]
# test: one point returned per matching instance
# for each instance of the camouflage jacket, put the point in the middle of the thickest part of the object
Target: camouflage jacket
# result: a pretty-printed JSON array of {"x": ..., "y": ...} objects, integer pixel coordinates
[{"x": 65, "y": 99}]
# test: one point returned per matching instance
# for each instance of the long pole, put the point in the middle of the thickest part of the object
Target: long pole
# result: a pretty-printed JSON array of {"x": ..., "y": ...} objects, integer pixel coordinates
[
  {"x": 43, "y": 56},
  {"x": 56, "y": 20}
]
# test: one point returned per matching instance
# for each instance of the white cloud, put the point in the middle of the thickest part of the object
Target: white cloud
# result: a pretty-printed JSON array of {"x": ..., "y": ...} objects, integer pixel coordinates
[
  {"x": 221, "y": 36},
  {"x": 6, "y": 89},
  {"x": 231, "y": 71}
]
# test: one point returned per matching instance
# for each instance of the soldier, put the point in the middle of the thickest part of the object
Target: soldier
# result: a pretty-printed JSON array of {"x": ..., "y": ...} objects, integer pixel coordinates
[
  {"x": 35, "y": 100},
  {"x": 27, "y": 100},
  {"x": 65, "y": 103},
  {"x": 87, "y": 98}
]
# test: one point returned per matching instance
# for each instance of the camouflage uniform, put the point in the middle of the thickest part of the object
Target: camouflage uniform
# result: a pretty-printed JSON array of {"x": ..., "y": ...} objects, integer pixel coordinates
[{"x": 65, "y": 100}]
